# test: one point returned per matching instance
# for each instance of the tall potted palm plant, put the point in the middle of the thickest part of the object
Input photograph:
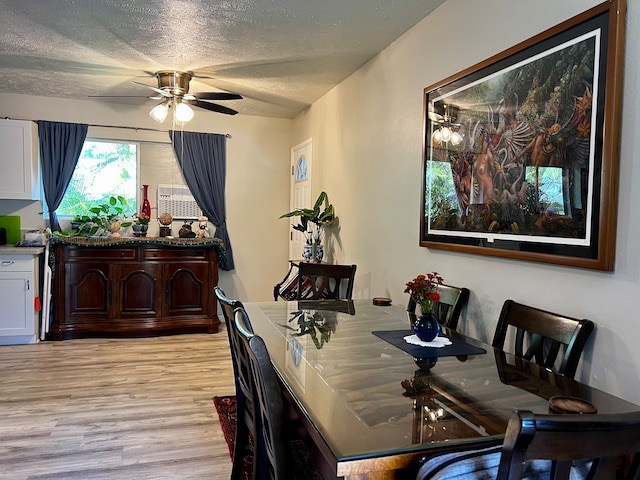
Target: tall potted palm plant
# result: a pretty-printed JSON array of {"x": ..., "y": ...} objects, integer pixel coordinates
[{"x": 312, "y": 224}]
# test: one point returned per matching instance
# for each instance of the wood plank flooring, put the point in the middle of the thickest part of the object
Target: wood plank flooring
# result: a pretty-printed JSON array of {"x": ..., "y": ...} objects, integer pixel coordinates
[{"x": 114, "y": 408}]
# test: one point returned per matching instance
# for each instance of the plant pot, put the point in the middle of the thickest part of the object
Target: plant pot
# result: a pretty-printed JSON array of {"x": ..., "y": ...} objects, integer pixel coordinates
[
  {"x": 139, "y": 230},
  {"x": 313, "y": 253},
  {"x": 427, "y": 327}
]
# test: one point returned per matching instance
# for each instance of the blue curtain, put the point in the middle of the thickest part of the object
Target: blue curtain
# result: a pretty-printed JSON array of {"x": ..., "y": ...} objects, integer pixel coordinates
[
  {"x": 203, "y": 160},
  {"x": 60, "y": 147}
]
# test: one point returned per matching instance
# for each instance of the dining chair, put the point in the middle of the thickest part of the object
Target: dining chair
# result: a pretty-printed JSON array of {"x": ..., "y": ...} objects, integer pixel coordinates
[
  {"x": 278, "y": 454},
  {"x": 540, "y": 335},
  {"x": 590, "y": 446},
  {"x": 448, "y": 309},
  {"x": 246, "y": 415},
  {"x": 324, "y": 281}
]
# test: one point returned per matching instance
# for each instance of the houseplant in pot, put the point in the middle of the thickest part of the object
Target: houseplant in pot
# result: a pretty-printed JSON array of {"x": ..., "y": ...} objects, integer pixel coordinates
[
  {"x": 140, "y": 225},
  {"x": 312, "y": 223},
  {"x": 100, "y": 219}
]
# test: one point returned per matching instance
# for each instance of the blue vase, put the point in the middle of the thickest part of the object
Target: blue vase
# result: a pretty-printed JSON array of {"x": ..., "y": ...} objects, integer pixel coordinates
[
  {"x": 426, "y": 327},
  {"x": 313, "y": 253}
]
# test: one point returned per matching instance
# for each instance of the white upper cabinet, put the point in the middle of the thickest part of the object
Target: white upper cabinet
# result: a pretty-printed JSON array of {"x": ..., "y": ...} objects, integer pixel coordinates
[{"x": 19, "y": 160}]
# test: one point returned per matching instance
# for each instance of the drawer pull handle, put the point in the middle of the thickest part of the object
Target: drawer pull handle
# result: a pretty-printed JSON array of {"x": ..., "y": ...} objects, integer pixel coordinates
[{"x": 6, "y": 263}]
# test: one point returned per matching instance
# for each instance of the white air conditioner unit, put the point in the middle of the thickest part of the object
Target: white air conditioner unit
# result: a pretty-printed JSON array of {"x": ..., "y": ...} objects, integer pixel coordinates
[{"x": 178, "y": 201}]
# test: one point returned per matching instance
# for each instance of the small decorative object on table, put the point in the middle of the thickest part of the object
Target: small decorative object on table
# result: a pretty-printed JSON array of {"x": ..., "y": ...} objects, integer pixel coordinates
[
  {"x": 570, "y": 405},
  {"x": 114, "y": 228},
  {"x": 165, "y": 221},
  {"x": 381, "y": 301},
  {"x": 146, "y": 206},
  {"x": 423, "y": 290},
  {"x": 186, "y": 231},
  {"x": 203, "y": 227}
]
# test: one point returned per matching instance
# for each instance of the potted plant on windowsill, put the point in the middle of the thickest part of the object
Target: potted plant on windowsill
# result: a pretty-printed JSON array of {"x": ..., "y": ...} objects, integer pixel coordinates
[
  {"x": 312, "y": 224},
  {"x": 100, "y": 219}
]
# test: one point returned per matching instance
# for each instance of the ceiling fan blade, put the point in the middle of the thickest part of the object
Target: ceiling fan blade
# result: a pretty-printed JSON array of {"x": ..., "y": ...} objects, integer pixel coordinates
[
  {"x": 214, "y": 107},
  {"x": 218, "y": 96},
  {"x": 435, "y": 117},
  {"x": 157, "y": 90},
  {"x": 120, "y": 96}
]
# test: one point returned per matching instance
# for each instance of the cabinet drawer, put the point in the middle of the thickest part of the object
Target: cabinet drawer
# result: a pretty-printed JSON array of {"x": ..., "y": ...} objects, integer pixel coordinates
[
  {"x": 16, "y": 263},
  {"x": 101, "y": 253},
  {"x": 175, "y": 253}
]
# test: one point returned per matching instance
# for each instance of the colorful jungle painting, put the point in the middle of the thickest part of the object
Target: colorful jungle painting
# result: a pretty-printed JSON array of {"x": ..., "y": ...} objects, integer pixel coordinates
[{"x": 511, "y": 154}]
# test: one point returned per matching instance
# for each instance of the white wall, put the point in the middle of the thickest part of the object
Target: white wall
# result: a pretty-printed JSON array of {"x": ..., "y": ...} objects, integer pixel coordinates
[
  {"x": 367, "y": 138},
  {"x": 258, "y": 159}
]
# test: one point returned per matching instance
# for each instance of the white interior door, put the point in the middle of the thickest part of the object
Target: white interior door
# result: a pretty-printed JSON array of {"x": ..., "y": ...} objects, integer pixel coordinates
[{"x": 300, "y": 197}]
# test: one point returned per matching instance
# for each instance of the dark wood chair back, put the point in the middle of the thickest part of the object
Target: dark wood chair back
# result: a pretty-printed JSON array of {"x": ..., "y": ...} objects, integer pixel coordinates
[
  {"x": 552, "y": 446},
  {"x": 323, "y": 281},
  {"x": 276, "y": 463},
  {"x": 541, "y": 335},
  {"x": 279, "y": 453},
  {"x": 601, "y": 438},
  {"x": 246, "y": 414},
  {"x": 273, "y": 459},
  {"x": 228, "y": 307},
  {"x": 448, "y": 309}
]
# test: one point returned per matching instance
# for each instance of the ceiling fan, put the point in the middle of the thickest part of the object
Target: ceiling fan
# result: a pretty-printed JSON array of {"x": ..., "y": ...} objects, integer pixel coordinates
[
  {"x": 173, "y": 89},
  {"x": 445, "y": 116},
  {"x": 174, "y": 85}
]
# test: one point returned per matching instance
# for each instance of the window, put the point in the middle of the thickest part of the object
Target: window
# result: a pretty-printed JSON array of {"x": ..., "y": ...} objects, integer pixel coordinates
[
  {"x": 105, "y": 168},
  {"x": 548, "y": 183},
  {"x": 302, "y": 172},
  {"x": 443, "y": 200}
]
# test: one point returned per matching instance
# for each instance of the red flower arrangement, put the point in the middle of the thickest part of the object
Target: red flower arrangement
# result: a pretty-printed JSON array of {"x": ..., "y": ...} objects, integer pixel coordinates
[
  {"x": 423, "y": 290},
  {"x": 142, "y": 218}
]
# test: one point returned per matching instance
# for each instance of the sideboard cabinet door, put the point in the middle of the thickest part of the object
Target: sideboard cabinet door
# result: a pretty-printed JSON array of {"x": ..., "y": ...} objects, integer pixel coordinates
[
  {"x": 139, "y": 290},
  {"x": 88, "y": 293},
  {"x": 186, "y": 288}
]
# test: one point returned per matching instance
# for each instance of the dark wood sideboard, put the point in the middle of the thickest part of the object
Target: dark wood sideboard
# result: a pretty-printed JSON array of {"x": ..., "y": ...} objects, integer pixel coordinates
[{"x": 134, "y": 288}]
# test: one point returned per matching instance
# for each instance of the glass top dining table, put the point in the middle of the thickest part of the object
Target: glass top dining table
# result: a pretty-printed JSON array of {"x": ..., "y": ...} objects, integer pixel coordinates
[{"x": 373, "y": 409}]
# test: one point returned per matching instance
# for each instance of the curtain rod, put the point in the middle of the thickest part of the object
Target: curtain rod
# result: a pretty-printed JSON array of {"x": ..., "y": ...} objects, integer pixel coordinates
[{"x": 228, "y": 135}]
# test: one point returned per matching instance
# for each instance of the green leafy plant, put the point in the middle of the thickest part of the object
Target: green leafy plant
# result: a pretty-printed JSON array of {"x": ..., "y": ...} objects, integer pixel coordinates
[
  {"x": 313, "y": 221},
  {"x": 100, "y": 217}
]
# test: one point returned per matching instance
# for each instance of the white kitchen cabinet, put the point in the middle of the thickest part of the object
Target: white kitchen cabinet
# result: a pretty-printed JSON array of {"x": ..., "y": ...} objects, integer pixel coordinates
[
  {"x": 19, "y": 288},
  {"x": 19, "y": 159}
]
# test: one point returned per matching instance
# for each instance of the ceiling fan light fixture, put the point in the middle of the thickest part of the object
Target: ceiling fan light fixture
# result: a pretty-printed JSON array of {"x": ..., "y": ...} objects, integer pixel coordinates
[
  {"x": 159, "y": 112},
  {"x": 184, "y": 112},
  {"x": 445, "y": 133}
]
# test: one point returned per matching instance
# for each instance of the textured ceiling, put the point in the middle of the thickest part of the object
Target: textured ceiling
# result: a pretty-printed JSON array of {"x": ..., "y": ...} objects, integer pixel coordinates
[{"x": 280, "y": 55}]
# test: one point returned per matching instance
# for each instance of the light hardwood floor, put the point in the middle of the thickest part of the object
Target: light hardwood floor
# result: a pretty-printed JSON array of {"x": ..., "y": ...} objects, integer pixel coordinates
[{"x": 114, "y": 408}]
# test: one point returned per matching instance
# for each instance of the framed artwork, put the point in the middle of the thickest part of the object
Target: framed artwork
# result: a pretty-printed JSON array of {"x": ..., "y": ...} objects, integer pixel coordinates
[{"x": 521, "y": 151}]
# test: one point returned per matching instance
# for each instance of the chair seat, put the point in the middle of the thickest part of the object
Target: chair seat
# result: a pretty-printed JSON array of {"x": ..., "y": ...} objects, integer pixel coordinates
[{"x": 483, "y": 464}]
